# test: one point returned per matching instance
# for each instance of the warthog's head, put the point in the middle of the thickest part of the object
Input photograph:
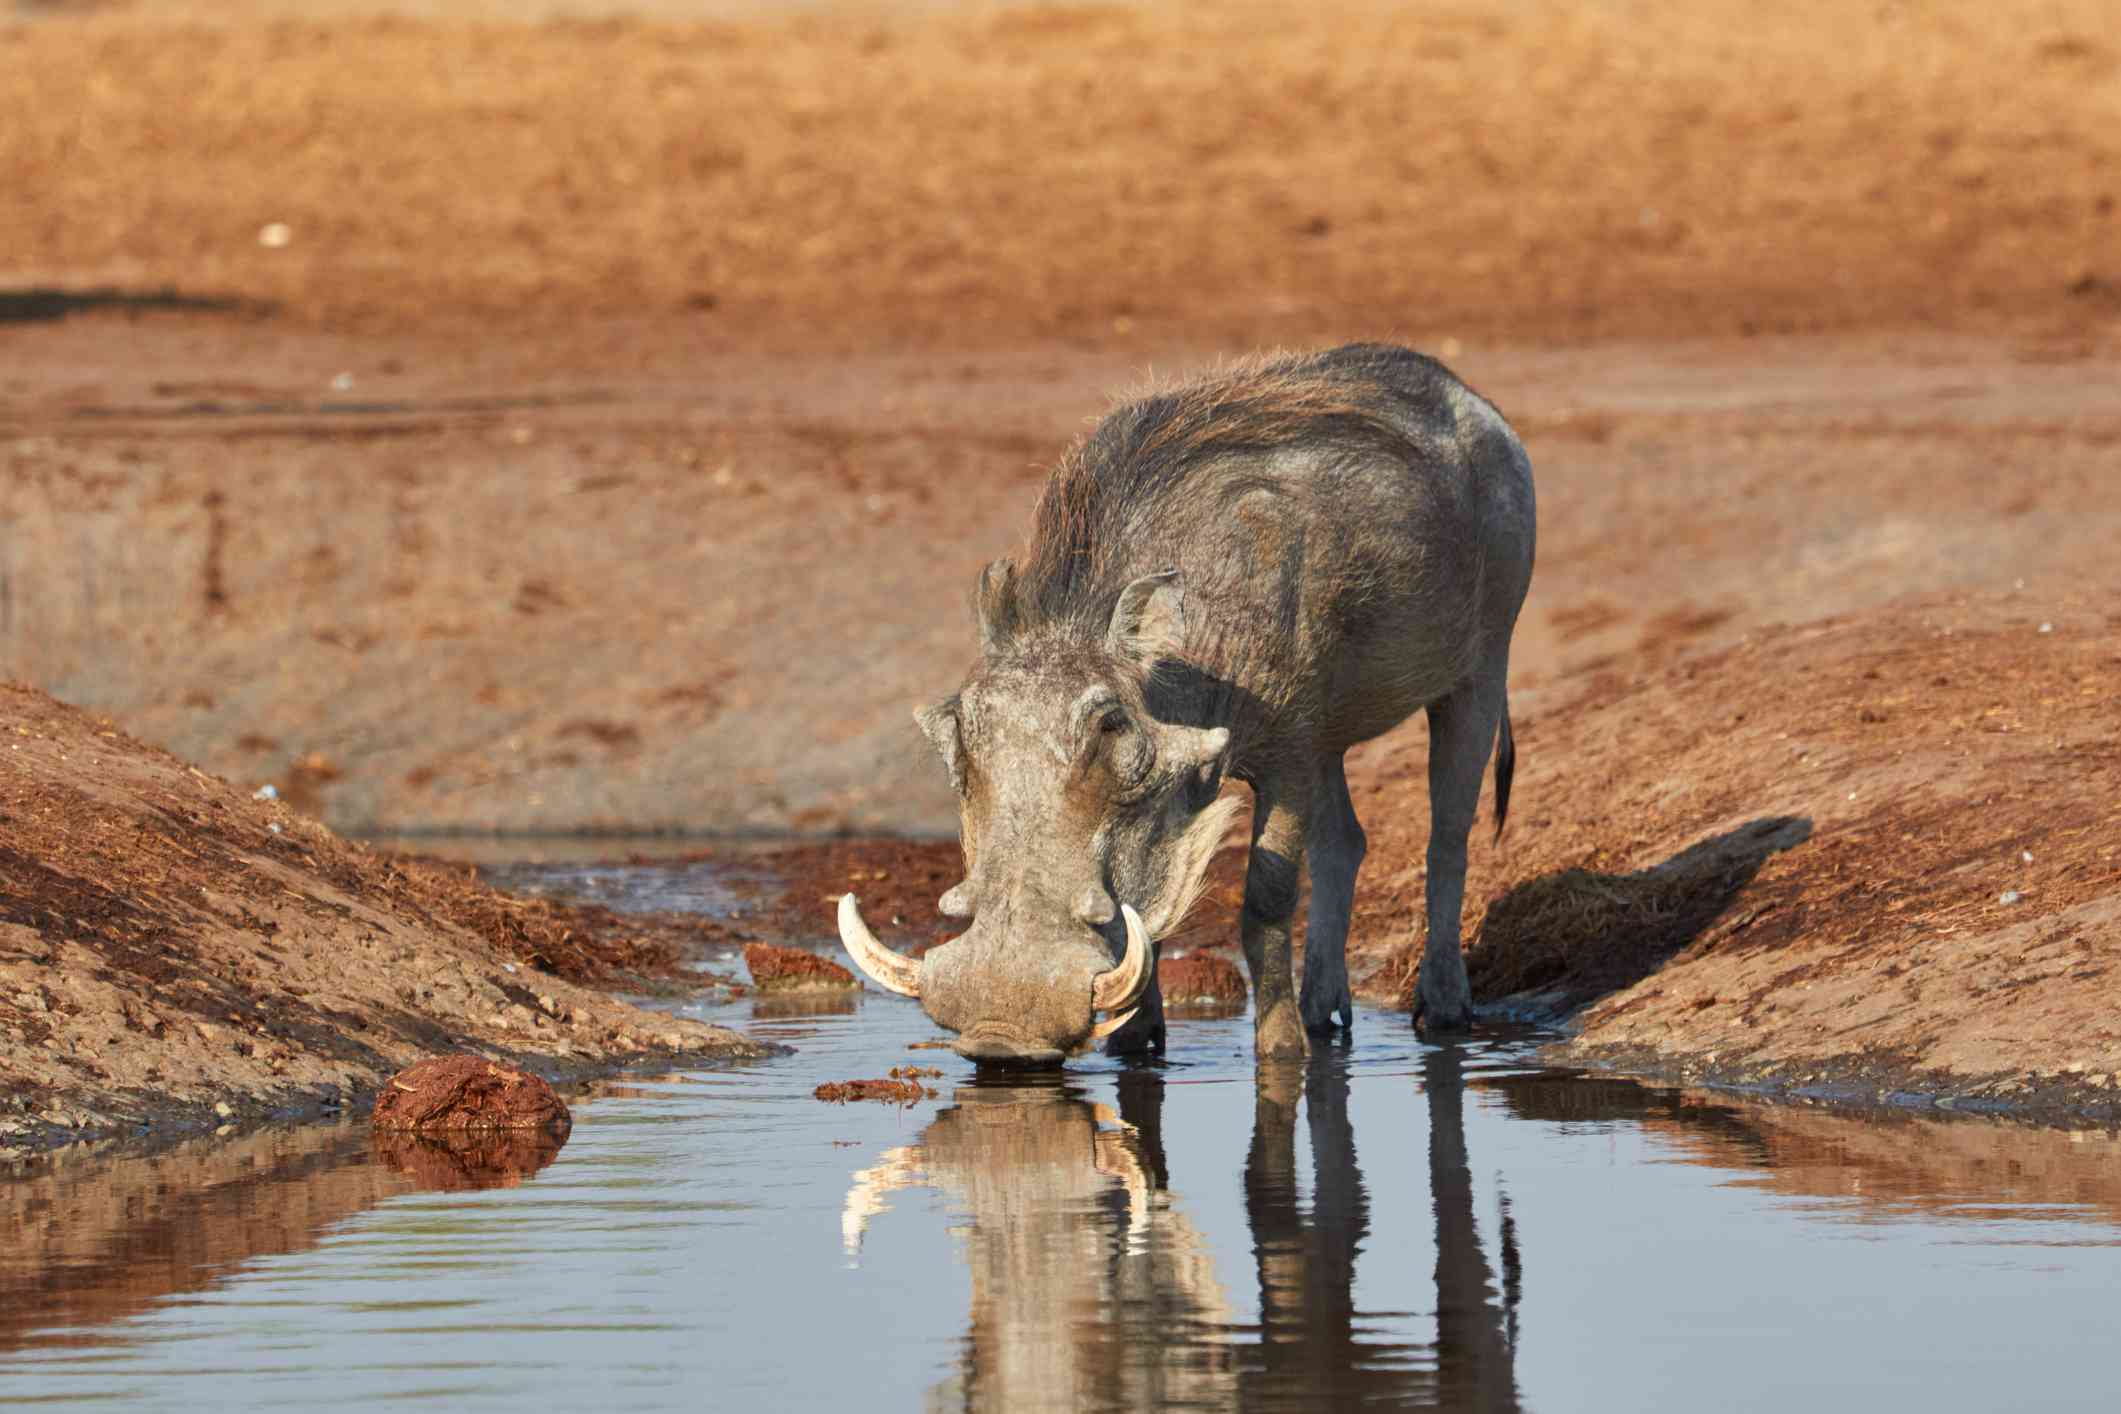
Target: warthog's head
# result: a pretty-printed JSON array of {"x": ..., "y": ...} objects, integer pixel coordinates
[{"x": 1087, "y": 827}]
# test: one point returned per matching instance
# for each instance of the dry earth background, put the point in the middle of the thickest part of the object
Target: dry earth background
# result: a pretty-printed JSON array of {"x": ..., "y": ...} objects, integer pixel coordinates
[{"x": 470, "y": 422}]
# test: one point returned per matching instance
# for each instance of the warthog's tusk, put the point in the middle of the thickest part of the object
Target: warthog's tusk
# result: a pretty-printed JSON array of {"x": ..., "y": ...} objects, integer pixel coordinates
[
  {"x": 886, "y": 968},
  {"x": 1109, "y": 1025},
  {"x": 1121, "y": 988}
]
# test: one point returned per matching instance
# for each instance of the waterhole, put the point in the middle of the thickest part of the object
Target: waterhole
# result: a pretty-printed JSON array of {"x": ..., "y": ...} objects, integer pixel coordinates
[{"x": 1389, "y": 1224}]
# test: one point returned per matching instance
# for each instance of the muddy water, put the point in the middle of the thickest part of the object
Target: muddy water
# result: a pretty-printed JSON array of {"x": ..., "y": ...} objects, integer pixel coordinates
[{"x": 1390, "y": 1224}]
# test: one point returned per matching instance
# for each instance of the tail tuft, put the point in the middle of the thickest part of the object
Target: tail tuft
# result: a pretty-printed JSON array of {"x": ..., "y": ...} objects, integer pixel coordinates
[{"x": 1505, "y": 767}]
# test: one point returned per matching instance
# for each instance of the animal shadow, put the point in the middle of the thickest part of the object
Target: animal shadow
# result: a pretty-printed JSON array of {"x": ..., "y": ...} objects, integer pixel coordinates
[
  {"x": 43, "y": 303},
  {"x": 1563, "y": 940}
]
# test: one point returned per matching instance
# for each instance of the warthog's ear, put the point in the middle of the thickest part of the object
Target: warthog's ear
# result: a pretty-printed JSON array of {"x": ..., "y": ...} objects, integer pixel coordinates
[
  {"x": 994, "y": 605},
  {"x": 1149, "y": 622},
  {"x": 1190, "y": 748},
  {"x": 938, "y": 722}
]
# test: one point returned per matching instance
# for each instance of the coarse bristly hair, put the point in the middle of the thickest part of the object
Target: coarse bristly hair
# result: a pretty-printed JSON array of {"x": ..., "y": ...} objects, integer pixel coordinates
[{"x": 1106, "y": 515}]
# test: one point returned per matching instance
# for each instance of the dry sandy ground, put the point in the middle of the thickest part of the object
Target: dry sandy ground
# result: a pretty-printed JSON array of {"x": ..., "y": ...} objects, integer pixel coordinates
[{"x": 610, "y": 436}]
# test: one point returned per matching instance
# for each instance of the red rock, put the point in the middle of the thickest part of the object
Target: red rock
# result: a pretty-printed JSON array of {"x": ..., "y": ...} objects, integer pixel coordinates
[
  {"x": 795, "y": 970},
  {"x": 1201, "y": 979},
  {"x": 468, "y": 1092}
]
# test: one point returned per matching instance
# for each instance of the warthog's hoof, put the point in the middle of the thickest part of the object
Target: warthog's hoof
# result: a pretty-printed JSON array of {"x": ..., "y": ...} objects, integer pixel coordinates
[
  {"x": 1430, "y": 1017},
  {"x": 1280, "y": 1034}
]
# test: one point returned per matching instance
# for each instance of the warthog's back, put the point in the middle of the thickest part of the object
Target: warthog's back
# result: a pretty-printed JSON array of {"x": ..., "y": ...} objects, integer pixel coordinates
[{"x": 1352, "y": 527}]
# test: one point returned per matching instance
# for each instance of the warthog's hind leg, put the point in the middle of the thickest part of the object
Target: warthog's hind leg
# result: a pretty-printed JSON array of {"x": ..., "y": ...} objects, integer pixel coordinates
[{"x": 1462, "y": 731}]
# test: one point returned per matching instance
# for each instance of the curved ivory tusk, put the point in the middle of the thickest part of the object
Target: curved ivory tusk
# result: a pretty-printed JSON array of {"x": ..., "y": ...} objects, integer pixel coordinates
[
  {"x": 1109, "y": 1025},
  {"x": 1122, "y": 987},
  {"x": 885, "y": 968}
]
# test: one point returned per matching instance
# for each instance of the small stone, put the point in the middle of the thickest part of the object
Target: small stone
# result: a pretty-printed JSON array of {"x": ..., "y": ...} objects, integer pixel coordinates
[
  {"x": 268, "y": 791},
  {"x": 468, "y": 1092},
  {"x": 223, "y": 1109},
  {"x": 275, "y": 235},
  {"x": 2008, "y": 897},
  {"x": 547, "y": 1005},
  {"x": 2025, "y": 856},
  {"x": 2047, "y": 628},
  {"x": 1201, "y": 980},
  {"x": 775, "y": 969}
]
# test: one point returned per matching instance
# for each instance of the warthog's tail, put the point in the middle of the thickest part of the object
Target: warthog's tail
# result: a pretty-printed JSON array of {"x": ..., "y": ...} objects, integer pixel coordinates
[{"x": 1505, "y": 767}]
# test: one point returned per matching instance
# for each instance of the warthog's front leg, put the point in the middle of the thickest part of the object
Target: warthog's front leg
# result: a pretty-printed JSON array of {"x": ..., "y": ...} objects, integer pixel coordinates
[
  {"x": 1280, "y": 820},
  {"x": 1334, "y": 854}
]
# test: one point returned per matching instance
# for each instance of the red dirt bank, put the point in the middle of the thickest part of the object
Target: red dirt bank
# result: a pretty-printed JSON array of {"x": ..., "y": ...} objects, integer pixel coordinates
[{"x": 173, "y": 949}]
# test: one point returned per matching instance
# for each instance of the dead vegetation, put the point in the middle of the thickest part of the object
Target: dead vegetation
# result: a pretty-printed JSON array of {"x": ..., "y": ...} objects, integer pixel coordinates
[{"x": 904, "y": 1091}]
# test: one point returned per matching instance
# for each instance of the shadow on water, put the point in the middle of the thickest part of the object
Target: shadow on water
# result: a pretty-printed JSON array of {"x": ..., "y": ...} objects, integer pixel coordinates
[{"x": 1090, "y": 1288}]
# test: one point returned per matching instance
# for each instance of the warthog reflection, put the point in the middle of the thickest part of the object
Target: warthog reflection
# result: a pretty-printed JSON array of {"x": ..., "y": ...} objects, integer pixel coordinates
[{"x": 1090, "y": 1288}]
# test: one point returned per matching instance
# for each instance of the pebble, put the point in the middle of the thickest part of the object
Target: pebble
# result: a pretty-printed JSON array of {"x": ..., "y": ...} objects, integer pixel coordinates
[
  {"x": 275, "y": 235},
  {"x": 2009, "y": 896},
  {"x": 268, "y": 791},
  {"x": 223, "y": 1109}
]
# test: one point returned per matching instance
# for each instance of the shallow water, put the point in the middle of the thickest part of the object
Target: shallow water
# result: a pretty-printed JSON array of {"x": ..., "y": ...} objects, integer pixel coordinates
[{"x": 1393, "y": 1223}]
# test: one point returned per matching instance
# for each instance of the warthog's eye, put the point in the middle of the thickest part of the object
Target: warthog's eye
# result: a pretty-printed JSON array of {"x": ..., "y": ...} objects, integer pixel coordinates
[{"x": 1113, "y": 721}]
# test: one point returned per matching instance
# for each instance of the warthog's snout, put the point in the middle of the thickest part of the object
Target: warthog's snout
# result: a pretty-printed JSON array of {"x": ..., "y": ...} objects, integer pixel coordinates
[
  {"x": 995, "y": 1045},
  {"x": 1015, "y": 1000}
]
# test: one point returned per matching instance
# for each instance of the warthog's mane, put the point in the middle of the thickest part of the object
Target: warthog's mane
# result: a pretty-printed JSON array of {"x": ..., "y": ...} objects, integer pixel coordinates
[{"x": 1129, "y": 499}]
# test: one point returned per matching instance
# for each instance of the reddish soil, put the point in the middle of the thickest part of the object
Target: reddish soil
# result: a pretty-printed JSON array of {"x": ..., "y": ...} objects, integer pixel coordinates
[
  {"x": 639, "y": 484},
  {"x": 1164, "y": 171},
  {"x": 451, "y": 1093}
]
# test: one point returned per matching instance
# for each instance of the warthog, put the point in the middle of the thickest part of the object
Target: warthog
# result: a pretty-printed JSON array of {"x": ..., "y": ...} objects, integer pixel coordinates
[{"x": 1240, "y": 577}]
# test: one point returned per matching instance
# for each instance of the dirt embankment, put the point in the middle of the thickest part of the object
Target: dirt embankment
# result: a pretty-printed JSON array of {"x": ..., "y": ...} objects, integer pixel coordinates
[
  {"x": 174, "y": 950},
  {"x": 1862, "y": 855}
]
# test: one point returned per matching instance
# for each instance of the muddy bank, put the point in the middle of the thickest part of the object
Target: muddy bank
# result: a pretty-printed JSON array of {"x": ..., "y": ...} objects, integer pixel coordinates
[
  {"x": 176, "y": 953},
  {"x": 1869, "y": 855}
]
